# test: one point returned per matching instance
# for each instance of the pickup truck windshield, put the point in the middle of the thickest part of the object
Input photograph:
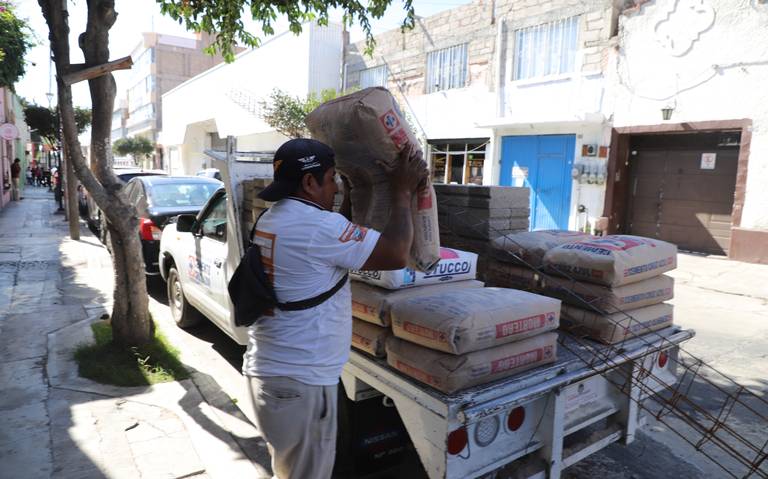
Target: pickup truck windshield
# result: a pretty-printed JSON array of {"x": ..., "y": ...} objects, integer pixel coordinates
[{"x": 181, "y": 194}]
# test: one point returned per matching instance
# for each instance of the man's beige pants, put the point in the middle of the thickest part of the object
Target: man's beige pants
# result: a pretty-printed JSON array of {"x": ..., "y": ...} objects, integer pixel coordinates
[
  {"x": 15, "y": 191},
  {"x": 298, "y": 421}
]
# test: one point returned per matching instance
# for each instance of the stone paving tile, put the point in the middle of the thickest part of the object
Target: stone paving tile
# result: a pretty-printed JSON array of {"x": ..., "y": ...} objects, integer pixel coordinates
[
  {"x": 20, "y": 380},
  {"x": 24, "y": 442}
]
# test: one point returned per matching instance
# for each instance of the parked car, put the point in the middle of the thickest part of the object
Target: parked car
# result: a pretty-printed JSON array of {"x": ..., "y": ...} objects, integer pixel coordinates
[
  {"x": 210, "y": 173},
  {"x": 158, "y": 199},
  {"x": 91, "y": 213}
]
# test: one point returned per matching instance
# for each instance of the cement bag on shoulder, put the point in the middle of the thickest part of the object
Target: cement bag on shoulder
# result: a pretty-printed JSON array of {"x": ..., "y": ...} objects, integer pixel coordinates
[
  {"x": 369, "y": 337},
  {"x": 449, "y": 373},
  {"x": 616, "y": 327},
  {"x": 373, "y": 304},
  {"x": 364, "y": 128},
  {"x": 613, "y": 260},
  {"x": 454, "y": 265},
  {"x": 466, "y": 320},
  {"x": 531, "y": 246}
]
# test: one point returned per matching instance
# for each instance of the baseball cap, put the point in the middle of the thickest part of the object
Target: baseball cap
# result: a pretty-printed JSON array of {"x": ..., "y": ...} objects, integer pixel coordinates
[{"x": 292, "y": 161}]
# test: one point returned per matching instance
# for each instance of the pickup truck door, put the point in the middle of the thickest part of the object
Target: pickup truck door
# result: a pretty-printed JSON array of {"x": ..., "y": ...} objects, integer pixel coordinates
[{"x": 211, "y": 260}]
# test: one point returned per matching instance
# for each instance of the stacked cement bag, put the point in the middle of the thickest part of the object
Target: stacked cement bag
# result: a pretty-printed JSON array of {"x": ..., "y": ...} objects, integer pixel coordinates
[
  {"x": 367, "y": 130},
  {"x": 375, "y": 292},
  {"x": 631, "y": 269},
  {"x": 463, "y": 338},
  {"x": 517, "y": 253},
  {"x": 454, "y": 265}
]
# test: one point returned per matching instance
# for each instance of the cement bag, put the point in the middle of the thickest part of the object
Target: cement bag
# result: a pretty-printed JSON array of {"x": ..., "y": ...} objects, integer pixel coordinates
[
  {"x": 364, "y": 128},
  {"x": 613, "y": 260},
  {"x": 373, "y": 304},
  {"x": 449, "y": 373},
  {"x": 369, "y": 338},
  {"x": 616, "y": 327},
  {"x": 466, "y": 320},
  {"x": 621, "y": 298},
  {"x": 531, "y": 246},
  {"x": 454, "y": 265},
  {"x": 510, "y": 275}
]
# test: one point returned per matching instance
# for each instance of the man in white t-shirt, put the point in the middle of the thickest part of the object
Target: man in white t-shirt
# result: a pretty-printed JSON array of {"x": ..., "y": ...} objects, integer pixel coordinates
[{"x": 294, "y": 358}]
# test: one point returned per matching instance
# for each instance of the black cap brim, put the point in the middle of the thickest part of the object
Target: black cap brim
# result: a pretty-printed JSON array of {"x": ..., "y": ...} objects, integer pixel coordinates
[{"x": 277, "y": 190}]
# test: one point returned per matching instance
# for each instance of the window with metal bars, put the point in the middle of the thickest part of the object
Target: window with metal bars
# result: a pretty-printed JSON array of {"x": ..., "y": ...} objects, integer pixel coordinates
[
  {"x": 547, "y": 49},
  {"x": 374, "y": 76},
  {"x": 447, "y": 68}
]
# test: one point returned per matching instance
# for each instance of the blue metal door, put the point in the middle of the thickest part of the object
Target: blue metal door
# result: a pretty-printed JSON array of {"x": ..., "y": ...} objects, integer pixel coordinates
[{"x": 543, "y": 164}]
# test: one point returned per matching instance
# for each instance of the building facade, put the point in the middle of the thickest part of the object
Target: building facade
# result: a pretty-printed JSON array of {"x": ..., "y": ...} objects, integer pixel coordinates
[
  {"x": 507, "y": 93},
  {"x": 225, "y": 100},
  {"x": 160, "y": 63},
  {"x": 14, "y": 137},
  {"x": 690, "y": 126}
]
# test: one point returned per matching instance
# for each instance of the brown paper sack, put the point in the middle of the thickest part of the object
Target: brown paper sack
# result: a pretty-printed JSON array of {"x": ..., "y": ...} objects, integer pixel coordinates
[
  {"x": 613, "y": 260},
  {"x": 531, "y": 246},
  {"x": 365, "y": 128},
  {"x": 373, "y": 304},
  {"x": 369, "y": 337},
  {"x": 616, "y": 327},
  {"x": 449, "y": 373},
  {"x": 454, "y": 265},
  {"x": 462, "y": 321}
]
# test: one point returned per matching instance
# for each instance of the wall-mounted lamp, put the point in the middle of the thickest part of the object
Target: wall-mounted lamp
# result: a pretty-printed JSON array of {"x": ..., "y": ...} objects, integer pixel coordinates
[{"x": 666, "y": 112}]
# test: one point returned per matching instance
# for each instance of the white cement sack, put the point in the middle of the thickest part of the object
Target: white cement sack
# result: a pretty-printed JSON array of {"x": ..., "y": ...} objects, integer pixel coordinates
[
  {"x": 454, "y": 265},
  {"x": 369, "y": 337},
  {"x": 449, "y": 373},
  {"x": 364, "y": 128},
  {"x": 616, "y": 327},
  {"x": 613, "y": 260},
  {"x": 373, "y": 304},
  {"x": 466, "y": 320},
  {"x": 531, "y": 246}
]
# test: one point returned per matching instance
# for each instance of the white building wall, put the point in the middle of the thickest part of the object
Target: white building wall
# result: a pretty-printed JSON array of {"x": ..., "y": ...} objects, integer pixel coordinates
[
  {"x": 708, "y": 59},
  {"x": 225, "y": 99}
]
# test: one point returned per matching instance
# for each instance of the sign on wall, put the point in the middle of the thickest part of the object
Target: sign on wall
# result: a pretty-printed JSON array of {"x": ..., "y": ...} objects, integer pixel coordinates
[
  {"x": 8, "y": 131},
  {"x": 708, "y": 161}
]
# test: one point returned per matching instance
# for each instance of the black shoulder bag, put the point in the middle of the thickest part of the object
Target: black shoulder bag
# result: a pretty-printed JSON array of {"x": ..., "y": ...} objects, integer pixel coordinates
[{"x": 253, "y": 294}]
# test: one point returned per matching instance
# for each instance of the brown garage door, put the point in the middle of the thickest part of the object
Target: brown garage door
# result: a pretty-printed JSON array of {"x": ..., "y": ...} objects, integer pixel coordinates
[{"x": 677, "y": 198}]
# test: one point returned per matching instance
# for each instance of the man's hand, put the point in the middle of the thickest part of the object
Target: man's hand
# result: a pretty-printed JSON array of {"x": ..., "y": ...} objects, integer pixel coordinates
[{"x": 409, "y": 171}]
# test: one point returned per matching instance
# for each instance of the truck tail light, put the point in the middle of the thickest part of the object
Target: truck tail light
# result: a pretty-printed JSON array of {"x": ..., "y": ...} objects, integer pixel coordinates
[
  {"x": 663, "y": 359},
  {"x": 457, "y": 440},
  {"x": 148, "y": 230},
  {"x": 516, "y": 418}
]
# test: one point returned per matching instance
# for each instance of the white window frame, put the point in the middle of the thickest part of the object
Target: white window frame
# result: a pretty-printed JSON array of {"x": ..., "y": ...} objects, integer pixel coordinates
[
  {"x": 374, "y": 76},
  {"x": 447, "y": 68},
  {"x": 546, "y": 50}
]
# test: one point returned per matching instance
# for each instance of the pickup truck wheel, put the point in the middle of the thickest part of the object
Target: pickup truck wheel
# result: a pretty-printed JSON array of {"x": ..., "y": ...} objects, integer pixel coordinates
[{"x": 183, "y": 313}]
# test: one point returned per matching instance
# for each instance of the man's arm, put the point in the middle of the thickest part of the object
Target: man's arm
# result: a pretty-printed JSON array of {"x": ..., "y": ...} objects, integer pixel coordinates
[{"x": 394, "y": 245}]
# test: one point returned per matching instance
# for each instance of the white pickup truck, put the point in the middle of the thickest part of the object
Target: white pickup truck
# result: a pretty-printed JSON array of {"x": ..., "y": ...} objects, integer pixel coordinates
[{"x": 543, "y": 420}]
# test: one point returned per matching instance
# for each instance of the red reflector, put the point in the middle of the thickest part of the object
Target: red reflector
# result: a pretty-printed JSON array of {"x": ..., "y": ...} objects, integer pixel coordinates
[
  {"x": 457, "y": 440},
  {"x": 663, "y": 358},
  {"x": 516, "y": 418}
]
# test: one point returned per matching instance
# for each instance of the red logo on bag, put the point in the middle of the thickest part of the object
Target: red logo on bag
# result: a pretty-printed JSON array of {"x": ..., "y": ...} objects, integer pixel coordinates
[
  {"x": 424, "y": 199},
  {"x": 389, "y": 120},
  {"x": 399, "y": 138}
]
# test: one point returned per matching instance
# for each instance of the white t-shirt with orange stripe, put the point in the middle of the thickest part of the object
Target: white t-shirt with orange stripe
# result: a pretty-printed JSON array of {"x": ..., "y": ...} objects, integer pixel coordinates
[{"x": 306, "y": 250}]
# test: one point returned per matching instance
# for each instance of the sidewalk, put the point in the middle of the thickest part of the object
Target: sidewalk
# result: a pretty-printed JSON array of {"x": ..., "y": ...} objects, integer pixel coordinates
[{"x": 56, "y": 424}]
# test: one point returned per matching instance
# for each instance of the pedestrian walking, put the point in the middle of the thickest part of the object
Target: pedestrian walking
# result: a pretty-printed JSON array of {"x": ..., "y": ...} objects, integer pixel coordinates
[
  {"x": 29, "y": 176},
  {"x": 15, "y": 177},
  {"x": 295, "y": 356},
  {"x": 39, "y": 176}
]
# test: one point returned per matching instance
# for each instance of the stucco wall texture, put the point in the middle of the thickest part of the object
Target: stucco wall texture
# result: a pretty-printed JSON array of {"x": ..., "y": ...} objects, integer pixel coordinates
[{"x": 708, "y": 59}]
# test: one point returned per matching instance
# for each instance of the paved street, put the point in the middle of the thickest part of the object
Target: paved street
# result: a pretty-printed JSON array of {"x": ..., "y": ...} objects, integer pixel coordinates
[{"x": 56, "y": 424}]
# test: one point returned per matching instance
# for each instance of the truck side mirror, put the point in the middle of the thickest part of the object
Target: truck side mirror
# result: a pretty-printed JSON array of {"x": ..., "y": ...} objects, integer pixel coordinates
[{"x": 184, "y": 223}]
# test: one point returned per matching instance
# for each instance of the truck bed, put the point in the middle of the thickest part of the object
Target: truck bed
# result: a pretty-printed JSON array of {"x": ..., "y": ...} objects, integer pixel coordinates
[{"x": 479, "y": 401}]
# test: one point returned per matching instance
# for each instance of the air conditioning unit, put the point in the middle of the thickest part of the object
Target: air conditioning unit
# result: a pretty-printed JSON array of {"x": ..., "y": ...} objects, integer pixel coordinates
[{"x": 589, "y": 150}]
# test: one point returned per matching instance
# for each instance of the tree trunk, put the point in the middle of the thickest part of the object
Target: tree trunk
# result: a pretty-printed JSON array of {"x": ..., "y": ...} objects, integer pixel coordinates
[
  {"x": 73, "y": 210},
  {"x": 130, "y": 315}
]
